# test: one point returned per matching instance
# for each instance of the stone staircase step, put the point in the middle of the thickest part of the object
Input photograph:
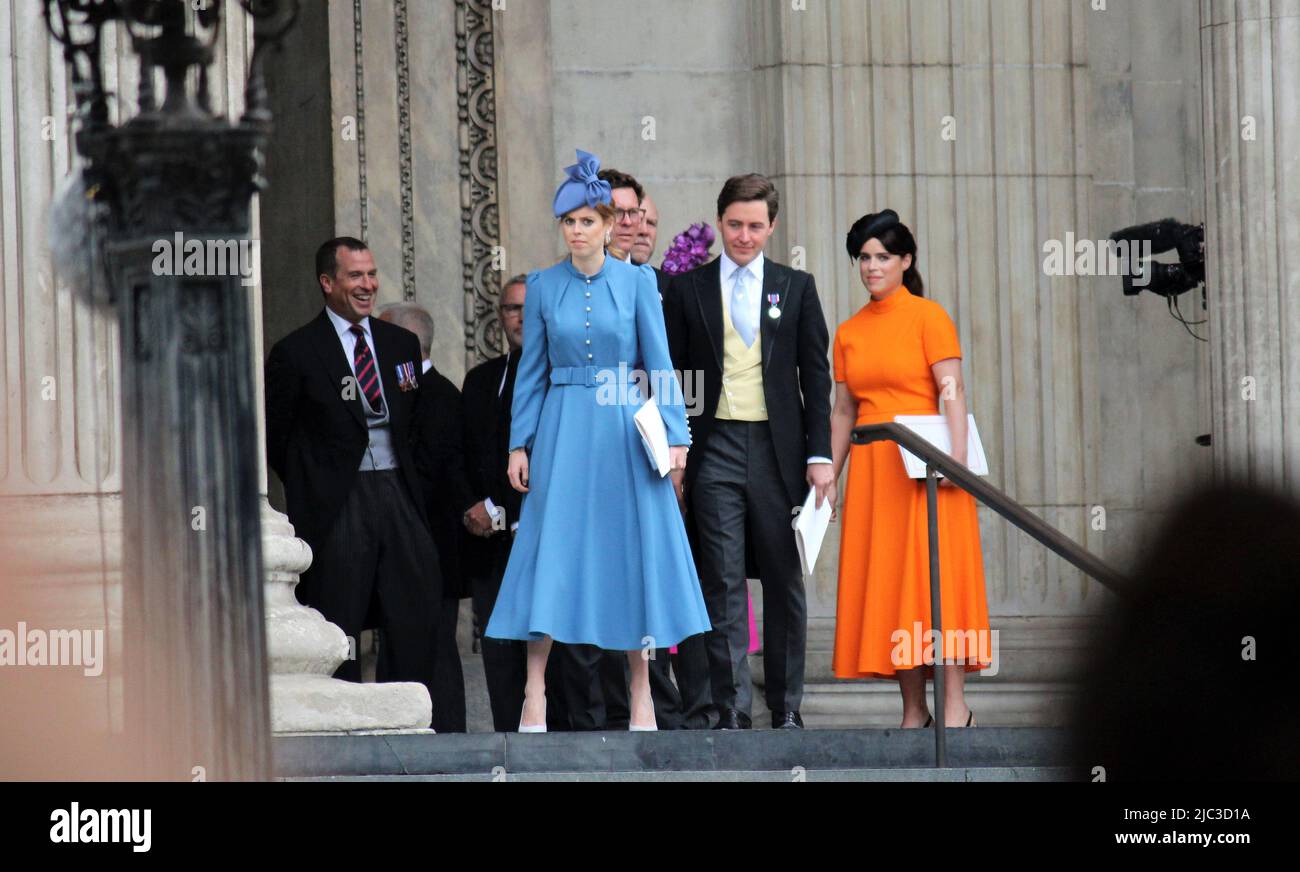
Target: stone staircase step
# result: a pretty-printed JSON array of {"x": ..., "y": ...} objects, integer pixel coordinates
[
  {"x": 987, "y": 773},
  {"x": 861, "y": 754}
]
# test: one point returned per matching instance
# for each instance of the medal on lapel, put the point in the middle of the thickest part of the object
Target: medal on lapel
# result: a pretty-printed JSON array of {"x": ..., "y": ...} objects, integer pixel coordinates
[
  {"x": 775, "y": 311},
  {"x": 406, "y": 376}
]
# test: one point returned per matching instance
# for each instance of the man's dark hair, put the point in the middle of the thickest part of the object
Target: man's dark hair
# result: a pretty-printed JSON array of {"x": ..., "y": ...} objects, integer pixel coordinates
[
  {"x": 751, "y": 186},
  {"x": 327, "y": 259},
  {"x": 619, "y": 179},
  {"x": 521, "y": 279}
]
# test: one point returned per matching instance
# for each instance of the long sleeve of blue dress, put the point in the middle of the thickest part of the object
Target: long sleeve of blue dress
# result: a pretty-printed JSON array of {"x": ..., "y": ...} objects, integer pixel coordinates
[
  {"x": 532, "y": 379},
  {"x": 652, "y": 337}
]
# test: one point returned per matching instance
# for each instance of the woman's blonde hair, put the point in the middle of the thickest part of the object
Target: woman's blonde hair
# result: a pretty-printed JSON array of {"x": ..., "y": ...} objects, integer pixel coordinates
[{"x": 604, "y": 210}]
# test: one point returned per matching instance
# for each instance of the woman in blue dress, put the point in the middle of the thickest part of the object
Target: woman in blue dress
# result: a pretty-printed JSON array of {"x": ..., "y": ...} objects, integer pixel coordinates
[{"x": 601, "y": 555}]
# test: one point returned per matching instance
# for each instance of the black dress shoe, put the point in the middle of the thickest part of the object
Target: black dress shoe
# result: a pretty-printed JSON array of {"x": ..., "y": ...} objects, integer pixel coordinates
[
  {"x": 786, "y": 721},
  {"x": 732, "y": 719}
]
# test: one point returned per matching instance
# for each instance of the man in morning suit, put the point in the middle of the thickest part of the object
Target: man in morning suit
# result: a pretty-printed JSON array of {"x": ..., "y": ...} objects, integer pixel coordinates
[
  {"x": 342, "y": 396},
  {"x": 754, "y": 329},
  {"x": 440, "y": 460}
]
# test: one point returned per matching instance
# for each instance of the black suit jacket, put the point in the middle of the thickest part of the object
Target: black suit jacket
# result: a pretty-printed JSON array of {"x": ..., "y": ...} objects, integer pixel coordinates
[
  {"x": 662, "y": 278},
  {"x": 440, "y": 459},
  {"x": 487, "y": 432},
  {"x": 487, "y": 452},
  {"x": 315, "y": 439},
  {"x": 796, "y": 371}
]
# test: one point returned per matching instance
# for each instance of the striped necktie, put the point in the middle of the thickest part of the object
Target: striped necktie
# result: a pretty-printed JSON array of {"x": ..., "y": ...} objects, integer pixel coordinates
[{"x": 363, "y": 364}]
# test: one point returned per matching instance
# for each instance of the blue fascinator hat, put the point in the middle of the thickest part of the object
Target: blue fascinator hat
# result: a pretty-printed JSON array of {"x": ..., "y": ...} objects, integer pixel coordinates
[{"x": 581, "y": 186}]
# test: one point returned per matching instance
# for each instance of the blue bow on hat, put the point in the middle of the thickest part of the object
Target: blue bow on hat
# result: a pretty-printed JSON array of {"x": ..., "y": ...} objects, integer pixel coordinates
[{"x": 582, "y": 187}]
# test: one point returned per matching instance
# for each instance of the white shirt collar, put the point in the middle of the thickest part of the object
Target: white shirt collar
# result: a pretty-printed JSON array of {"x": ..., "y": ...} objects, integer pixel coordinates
[
  {"x": 428, "y": 365},
  {"x": 343, "y": 327},
  {"x": 505, "y": 371},
  {"x": 729, "y": 266}
]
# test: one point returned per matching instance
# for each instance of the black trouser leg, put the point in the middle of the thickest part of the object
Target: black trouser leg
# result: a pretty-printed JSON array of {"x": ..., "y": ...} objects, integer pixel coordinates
[
  {"x": 719, "y": 504},
  {"x": 691, "y": 668},
  {"x": 408, "y": 582},
  {"x": 785, "y": 610},
  {"x": 449, "y": 701},
  {"x": 667, "y": 700},
  {"x": 584, "y": 698}
]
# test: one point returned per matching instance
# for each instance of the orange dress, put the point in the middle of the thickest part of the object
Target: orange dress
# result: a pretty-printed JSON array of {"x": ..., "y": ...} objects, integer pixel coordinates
[{"x": 884, "y": 354}]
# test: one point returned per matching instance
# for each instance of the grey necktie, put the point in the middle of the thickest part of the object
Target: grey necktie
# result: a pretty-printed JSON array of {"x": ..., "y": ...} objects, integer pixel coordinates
[{"x": 741, "y": 311}]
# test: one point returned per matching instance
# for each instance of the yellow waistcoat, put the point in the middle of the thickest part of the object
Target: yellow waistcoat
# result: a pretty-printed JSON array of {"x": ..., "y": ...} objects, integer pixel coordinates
[{"x": 741, "y": 398}]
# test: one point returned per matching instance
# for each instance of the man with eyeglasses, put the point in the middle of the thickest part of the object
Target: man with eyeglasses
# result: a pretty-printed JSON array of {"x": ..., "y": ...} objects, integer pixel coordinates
[
  {"x": 647, "y": 238},
  {"x": 627, "y": 194}
]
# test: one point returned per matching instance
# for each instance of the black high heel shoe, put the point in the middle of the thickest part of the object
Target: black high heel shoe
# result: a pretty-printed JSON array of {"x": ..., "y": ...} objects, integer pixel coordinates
[{"x": 970, "y": 720}]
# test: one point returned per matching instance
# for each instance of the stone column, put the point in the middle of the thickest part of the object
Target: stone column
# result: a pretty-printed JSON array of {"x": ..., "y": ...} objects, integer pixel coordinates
[{"x": 1250, "y": 74}]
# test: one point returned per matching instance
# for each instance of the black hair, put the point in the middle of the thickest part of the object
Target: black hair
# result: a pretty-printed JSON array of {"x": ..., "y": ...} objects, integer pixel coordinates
[
  {"x": 327, "y": 260},
  {"x": 894, "y": 236},
  {"x": 620, "y": 179}
]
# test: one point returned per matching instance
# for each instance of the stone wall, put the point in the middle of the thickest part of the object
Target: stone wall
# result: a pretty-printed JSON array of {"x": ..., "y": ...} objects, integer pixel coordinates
[{"x": 991, "y": 127}]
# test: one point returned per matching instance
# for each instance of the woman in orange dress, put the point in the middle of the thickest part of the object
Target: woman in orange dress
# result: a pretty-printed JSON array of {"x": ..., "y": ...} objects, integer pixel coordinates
[{"x": 895, "y": 357}]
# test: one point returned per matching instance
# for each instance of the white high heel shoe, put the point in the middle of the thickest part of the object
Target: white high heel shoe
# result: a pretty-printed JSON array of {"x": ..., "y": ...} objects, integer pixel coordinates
[
  {"x": 533, "y": 728},
  {"x": 634, "y": 728}
]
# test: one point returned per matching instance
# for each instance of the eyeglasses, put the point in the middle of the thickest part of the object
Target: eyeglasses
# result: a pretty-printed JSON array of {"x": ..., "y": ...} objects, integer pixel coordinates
[
  {"x": 512, "y": 308},
  {"x": 634, "y": 214}
]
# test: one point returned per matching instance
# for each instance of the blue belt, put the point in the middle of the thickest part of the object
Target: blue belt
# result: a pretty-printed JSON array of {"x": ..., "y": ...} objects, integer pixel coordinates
[{"x": 586, "y": 375}]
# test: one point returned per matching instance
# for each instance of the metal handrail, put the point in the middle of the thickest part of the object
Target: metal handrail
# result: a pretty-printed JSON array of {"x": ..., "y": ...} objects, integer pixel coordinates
[{"x": 938, "y": 461}]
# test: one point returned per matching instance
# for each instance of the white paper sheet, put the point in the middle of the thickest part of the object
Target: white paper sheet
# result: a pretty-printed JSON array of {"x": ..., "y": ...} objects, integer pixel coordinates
[
  {"x": 650, "y": 424},
  {"x": 810, "y": 529},
  {"x": 934, "y": 429}
]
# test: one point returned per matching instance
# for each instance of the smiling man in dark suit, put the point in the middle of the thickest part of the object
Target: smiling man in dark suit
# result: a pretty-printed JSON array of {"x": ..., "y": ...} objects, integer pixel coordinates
[
  {"x": 342, "y": 398},
  {"x": 755, "y": 331}
]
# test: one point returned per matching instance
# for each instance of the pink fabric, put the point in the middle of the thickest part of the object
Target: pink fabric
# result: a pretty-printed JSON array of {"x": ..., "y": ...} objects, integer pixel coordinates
[{"x": 753, "y": 628}]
